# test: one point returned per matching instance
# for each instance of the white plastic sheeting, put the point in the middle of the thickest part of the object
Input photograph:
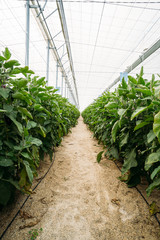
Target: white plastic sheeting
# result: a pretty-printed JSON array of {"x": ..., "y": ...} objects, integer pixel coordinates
[{"x": 105, "y": 38}]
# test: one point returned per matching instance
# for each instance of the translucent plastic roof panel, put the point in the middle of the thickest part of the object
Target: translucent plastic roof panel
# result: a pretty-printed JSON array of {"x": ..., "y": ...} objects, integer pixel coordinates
[{"x": 105, "y": 38}]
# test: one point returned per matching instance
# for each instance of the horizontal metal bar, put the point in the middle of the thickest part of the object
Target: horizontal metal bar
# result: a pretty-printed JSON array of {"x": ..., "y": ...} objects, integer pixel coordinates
[
  {"x": 144, "y": 56},
  {"x": 33, "y": 6}
]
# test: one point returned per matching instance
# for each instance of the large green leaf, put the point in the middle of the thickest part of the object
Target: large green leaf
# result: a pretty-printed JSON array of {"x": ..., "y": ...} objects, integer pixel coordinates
[
  {"x": 114, "y": 152},
  {"x": 28, "y": 170},
  {"x": 18, "y": 95},
  {"x": 132, "y": 79},
  {"x": 7, "y": 54},
  {"x": 20, "y": 83},
  {"x": 124, "y": 84},
  {"x": 25, "y": 112},
  {"x": 31, "y": 124},
  {"x": 150, "y": 136},
  {"x": 111, "y": 105},
  {"x": 42, "y": 131},
  {"x": 144, "y": 91},
  {"x": 152, "y": 186},
  {"x": 99, "y": 156},
  {"x": 11, "y": 63},
  {"x": 129, "y": 162},
  {"x": 4, "y": 162},
  {"x": 124, "y": 140},
  {"x": 114, "y": 130},
  {"x": 4, "y": 92},
  {"x": 155, "y": 172},
  {"x": 156, "y": 125},
  {"x": 18, "y": 124},
  {"x": 138, "y": 111},
  {"x": 121, "y": 111},
  {"x": 35, "y": 141},
  {"x": 152, "y": 158},
  {"x": 140, "y": 125}
]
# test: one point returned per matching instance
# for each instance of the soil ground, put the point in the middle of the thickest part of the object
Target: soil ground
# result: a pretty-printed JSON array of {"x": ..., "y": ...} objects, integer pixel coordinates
[{"x": 82, "y": 200}]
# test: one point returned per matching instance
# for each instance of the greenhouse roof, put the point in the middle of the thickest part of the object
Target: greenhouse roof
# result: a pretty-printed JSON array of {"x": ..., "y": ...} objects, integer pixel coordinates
[{"x": 105, "y": 38}]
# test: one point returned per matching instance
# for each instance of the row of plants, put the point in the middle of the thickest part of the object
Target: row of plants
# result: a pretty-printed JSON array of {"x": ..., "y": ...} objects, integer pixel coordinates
[
  {"x": 127, "y": 122},
  {"x": 33, "y": 120}
]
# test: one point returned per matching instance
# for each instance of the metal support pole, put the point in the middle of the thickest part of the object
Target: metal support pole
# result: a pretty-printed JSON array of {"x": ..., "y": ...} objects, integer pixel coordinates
[
  {"x": 57, "y": 75},
  {"x": 47, "y": 69},
  {"x": 65, "y": 90},
  {"x": 27, "y": 32},
  {"x": 62, "y": 86}
]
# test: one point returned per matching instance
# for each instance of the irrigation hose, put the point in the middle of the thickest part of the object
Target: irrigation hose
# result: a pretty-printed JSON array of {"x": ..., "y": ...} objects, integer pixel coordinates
[
  {"x": 8, "y": 226},
  {"x": 155, "y": 215}
]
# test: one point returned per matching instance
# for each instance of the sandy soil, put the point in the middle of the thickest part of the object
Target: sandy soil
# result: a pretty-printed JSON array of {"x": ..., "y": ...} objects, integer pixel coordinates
[{"x": 82, "y": 200}]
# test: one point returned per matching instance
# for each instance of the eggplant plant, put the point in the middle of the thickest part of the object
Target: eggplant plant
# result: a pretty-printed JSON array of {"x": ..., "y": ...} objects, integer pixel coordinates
[
  {"x": 33, "y": 121},
  {"x": 127, "y": 122}
]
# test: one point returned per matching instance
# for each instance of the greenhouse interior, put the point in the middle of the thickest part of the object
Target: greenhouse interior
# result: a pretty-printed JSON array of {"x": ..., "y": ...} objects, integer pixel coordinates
[{"x": 79, "y": 119}]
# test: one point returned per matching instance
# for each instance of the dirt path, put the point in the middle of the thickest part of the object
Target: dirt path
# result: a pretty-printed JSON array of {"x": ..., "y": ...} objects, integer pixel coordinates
[{"x": 82, "y": 200}]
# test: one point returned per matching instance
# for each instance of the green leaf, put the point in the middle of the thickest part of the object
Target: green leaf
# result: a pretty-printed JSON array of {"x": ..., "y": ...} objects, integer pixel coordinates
[
  {"x": 156, "y": 125},
  {"x": 124, "y": 140},
  {"x": 99, "y": 156},
  {"x": 2, "y": 58},
  {"x": 111, "y": 105},
  {"x": 31, "y": 124},
  {"x": 114, "y": 152},
  {"x": 150, "y": 136},
  {"x": 20, "y": 83},
  {"x": 144, "y": 91},
  {"x": 34, "y": 141},
  {"x": 129, "y": 162},
  {"x": 152, "y": 158},
  {"x": 4, "y": 162},
  {"x": 25, "y": 112},
  {"x": 18, "y": 95},
  {"x": 121, "y": 111},
  {"x": 140, "y": 125},
  {"x": 141, "y": 72},
  {"x": 132, "y": 79},
  {"x": 42, "y": 131},
  {"x": 16, "y": 71},
  {"x": 38, "y": 107},
  {"x": 25, "y": 155},
  {"x": 141, "y": 81},
  {"x": 7, "y": 54},
  {"x": 155, "y": 172},
  {"x": 152, "y": 186},
  {"x": 11, "y": 63},
  {"x": 138, "y": 111},
  {"x": 4, "y": 92},
  {"x": 114, "y": 130},
  {"x": 23, "y": 176},
  {"x": 124, "y": 84},
  {"x": 18, "y": 124},
  {"x": 28, "y": 170}
]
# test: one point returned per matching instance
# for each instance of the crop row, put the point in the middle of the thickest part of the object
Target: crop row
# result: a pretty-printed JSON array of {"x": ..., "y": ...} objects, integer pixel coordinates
[
  {"x": 127, "y": 122},
  {"x": 33, "y": 120}
]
